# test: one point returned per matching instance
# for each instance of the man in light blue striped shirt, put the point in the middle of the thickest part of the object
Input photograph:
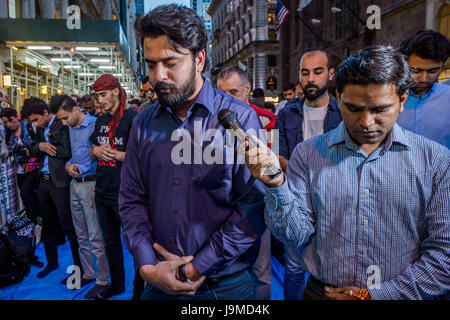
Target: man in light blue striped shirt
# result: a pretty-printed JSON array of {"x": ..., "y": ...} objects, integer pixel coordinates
[{"x": 368, "y": 200}]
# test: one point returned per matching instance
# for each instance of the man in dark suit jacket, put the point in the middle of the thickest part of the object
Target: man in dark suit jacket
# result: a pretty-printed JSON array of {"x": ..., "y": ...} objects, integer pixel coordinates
[{"x": 53, "y": 149}]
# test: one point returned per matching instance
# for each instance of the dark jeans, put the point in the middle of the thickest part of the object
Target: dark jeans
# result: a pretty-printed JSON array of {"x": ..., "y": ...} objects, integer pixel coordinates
[
  {"x": 138, "y": 286},
  {"x": 239, "y": 287},
  {"x": 108, "y": 216},
  {"x": 57, "y": 222},
  {"x": 28, "y": 183}
]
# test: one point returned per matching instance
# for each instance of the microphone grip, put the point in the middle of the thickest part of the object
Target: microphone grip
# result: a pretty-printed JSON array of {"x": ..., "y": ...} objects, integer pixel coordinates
[
  {"x": 243, "y": 136},
  {"x": 273, "y": 170}
]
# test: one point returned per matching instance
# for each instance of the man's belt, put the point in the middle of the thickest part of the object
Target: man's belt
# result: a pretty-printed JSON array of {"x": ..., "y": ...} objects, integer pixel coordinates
[
  {"x": 85, "y": 179},
  {"x": 46, "y": 177}
]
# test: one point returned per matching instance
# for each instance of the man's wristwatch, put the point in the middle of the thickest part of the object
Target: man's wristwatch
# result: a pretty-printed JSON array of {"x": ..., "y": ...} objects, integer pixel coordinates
[{"x": 182, "y": 274}]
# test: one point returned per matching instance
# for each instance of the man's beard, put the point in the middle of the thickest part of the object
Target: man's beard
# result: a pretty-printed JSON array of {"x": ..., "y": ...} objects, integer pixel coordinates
[
  {"x": 176, "y": 96},
  {"x": 313, "y": 96},
  {"x": 425, "y": 87}
]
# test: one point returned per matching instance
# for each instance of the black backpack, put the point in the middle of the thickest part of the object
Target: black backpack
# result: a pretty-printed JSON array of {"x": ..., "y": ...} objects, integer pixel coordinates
[
  {"x": 16, "y": 250},
  {"x": 12, "y": 268}
]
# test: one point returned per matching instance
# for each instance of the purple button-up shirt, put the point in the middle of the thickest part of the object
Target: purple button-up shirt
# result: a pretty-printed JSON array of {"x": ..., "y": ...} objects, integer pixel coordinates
[{"x": 213, "y": 212}]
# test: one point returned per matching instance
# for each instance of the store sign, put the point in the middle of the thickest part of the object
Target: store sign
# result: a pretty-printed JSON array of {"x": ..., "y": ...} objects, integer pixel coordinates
[
  {"x": 7, "y": 81},
  {"x": 271, "y": 83}
]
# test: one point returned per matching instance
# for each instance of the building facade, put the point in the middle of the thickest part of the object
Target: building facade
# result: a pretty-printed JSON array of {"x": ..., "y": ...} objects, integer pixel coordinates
[
  {"x": 43, "y": 54},
  {"x": 244, "y": 35},
  {"x": 341, "y": 27},
  {"x": 201, "y": 8}
]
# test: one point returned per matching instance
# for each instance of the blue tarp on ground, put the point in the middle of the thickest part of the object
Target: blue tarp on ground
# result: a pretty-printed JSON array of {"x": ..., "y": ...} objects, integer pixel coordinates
[{"x": 50, "y": 288}]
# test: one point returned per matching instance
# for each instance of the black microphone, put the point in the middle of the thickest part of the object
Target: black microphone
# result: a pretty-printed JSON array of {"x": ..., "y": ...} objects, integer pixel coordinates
[{"x": 229, "y": 120}]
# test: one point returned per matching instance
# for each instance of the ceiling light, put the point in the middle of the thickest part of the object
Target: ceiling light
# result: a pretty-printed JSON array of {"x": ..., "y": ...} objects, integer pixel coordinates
[
  {"x": 87, "y": 48},
  {"x": 39, "y": 47},
  {"x": 107, "y": 67},
  {"x": 100, "y": 60},
  {"x": 72, "y": 67},
  {"x": 61, "y": 59},
  {"x": 85, "y": 74}
]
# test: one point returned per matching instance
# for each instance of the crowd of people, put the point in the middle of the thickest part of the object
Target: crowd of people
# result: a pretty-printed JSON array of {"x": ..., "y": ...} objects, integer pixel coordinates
[{"x": 364, "y": 181}]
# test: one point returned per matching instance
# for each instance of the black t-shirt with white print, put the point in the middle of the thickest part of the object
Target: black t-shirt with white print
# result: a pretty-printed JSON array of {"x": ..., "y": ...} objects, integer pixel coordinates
[{"x": 108, "y": 172}]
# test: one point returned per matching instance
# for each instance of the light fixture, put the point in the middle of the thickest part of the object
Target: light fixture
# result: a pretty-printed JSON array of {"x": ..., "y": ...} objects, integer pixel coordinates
[
  {"x": 117, "y": 74},
  {"x": 15, "y": 48},
  {"x": 39, "y": 47},
  {"x": 59, "y": 92},
  {"x": 85, "y": 74},
  {"x": 107, "y": 67},
  {"x": 315, "y": 21},
  {"x": 335, "y": 9},
  {"x": 100, "y": 60},
  {"x": 44, "y": 90},
  {"x": 87, "y": 48},
  {"x": 61, "y": 59},
  {"x": 7, "y": 81},
  {"x": 72, "y": 67}
]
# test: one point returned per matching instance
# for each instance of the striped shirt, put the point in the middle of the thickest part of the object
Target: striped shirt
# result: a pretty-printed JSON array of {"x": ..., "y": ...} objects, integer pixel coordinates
[{"x": 357, "y": 214}]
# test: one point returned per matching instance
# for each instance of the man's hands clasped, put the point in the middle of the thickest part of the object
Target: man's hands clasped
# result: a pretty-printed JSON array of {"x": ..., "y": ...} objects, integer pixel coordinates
[{"x": 164, "y": 274}]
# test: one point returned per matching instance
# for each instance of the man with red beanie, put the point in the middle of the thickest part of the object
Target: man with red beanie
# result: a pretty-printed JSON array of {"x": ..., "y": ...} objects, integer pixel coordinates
[{"x": 109, "y": 142}]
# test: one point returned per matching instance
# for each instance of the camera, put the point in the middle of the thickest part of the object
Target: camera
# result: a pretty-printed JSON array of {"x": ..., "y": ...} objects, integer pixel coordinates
[{"x": 20, "y": 153}]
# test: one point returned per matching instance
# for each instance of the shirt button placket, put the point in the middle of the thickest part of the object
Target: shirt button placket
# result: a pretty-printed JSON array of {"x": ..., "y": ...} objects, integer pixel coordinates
[{"x": 176, "y": 182}]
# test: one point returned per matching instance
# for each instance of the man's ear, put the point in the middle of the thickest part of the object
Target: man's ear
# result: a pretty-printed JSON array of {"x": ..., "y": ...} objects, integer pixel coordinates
[
  {"x": 116, "y": 91},
  {"x": 247, "y": 88},
  {"x": 403, "y": 98},
  {"x": 200, "y": 61},
  {"x": 332, "y": 71}
]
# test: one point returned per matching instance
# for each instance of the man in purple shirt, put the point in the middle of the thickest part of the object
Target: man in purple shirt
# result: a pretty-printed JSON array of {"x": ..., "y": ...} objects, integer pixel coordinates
[{"x": 193, "y": 228}]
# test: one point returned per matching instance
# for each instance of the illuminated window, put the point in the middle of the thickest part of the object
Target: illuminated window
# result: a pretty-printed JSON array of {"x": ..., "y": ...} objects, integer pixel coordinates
[{"x": 271, "y": 17}]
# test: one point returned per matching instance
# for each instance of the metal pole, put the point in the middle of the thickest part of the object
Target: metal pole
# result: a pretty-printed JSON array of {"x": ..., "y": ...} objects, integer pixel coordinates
[
  {"x": 26, "y": 80},
  {"x": 37, "y": 80},
  {"x": 62, "y": 68},
  {"x": 12, "y": 75}
]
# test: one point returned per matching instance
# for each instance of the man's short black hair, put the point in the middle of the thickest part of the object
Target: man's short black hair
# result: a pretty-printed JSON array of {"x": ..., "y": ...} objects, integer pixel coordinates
[
  {"x": 427, "y": 44},
  {"x": 33, "y": 105},
  {"x": 86, "y": 98},
  {"x": 289, "y": 86},
  {"x": 135, "y": 101},
  {"x": 61, "y": 102},
  {"x": 375, "y": 65},
  {"x": 321, "y": 50},
  {"x": 182, "y": 26},
  {"x": 8, "y": 113},
  {"x": 258, "y": 92}
]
